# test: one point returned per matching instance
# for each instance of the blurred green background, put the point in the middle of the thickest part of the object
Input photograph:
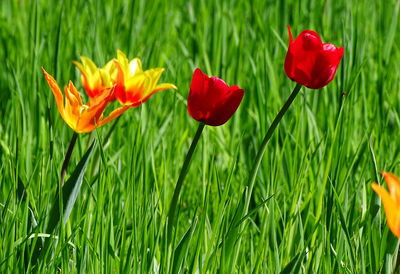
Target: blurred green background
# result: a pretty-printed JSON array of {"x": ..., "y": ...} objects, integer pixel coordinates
[{"x": 329, "y": 147}]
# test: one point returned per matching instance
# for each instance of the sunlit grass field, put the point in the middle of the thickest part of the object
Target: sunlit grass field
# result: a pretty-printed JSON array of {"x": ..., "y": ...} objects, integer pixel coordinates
[{"x": 312, "y": 209}]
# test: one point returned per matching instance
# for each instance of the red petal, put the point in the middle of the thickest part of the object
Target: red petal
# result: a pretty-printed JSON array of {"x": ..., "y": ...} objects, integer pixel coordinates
[
  {"x": 211, "y": 101},
  {"x": 196, "y": 100},
  {"x": 226, "y": 108},
  {"x": 290, "y": 35},
  {"x": 326, "y": 65},
  {"x": 302, "y": 55},
  {"x": 309, "y": 41}
]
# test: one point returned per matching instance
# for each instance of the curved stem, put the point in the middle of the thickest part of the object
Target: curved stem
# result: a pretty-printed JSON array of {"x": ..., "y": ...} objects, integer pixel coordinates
[
  {"x": 182, "y": 175},
  {"x": 261, "y": 150},
  {"x": 68, "y": 157}
]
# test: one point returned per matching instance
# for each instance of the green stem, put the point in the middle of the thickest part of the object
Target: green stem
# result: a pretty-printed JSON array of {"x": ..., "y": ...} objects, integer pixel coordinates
[
  {"x": 38, "y": 245},
  {"x": 68, "y": 157},
  {"x": 182, "y": 175},
  {"x": 261, "y": 150}
]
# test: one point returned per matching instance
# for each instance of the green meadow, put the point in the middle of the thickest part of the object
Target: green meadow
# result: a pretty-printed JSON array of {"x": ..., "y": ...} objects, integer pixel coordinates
[{"x": 312, "y": 209}]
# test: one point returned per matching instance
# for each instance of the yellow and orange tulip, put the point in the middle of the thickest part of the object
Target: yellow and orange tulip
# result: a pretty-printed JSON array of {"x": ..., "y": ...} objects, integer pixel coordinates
[
  {"x": 391, "y": 201},
  {"x": 94, "y": 79},
  {"x": 83, "y": 118},
  {"x": 134, "y": 86}
]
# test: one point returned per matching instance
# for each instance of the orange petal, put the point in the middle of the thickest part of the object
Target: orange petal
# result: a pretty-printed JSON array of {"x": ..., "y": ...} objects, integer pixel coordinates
[
  {"x": 73, "y": 104},
  {"x": 114, "y": 114},
  {"x": 56, "y": 92},
  {"x": 105, "y": 96},
  {"x": 75, "y": 93},
  {"x": 91, "y": 117},
  {"x": 391, "y": 209},
  {"x": 72, "y": 109},
  {"x": 120, "y": 74},
  {"x": 394, "y": 186}
]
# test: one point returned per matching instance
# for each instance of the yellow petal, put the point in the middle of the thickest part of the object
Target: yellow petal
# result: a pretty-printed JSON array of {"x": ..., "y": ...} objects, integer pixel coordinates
[
  {"x": 109, "y": 67},
  {"x": 85, "y": 75},
  {"x": 137, "y": 85},
  {"x": 89, "y": 64},
  {"x": 111, "y": 70},
  {"x": 154, "y": 75},
  {"x": 391, "y": 209},
  {"x": 135, "y": 67},
  {"x": 164, "y": 86},
  {"x": 79, "y": 66},
  {"x": 95, "y": 79},
  {"x": 105, "y": 81},
  {"x": 123, "y": 61},
  {"x": 72, "y": 108},
  {"x": 121, "y": 56}
]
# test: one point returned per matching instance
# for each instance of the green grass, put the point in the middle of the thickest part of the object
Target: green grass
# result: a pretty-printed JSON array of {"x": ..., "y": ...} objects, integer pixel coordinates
[{"x": 312, "y": 208}]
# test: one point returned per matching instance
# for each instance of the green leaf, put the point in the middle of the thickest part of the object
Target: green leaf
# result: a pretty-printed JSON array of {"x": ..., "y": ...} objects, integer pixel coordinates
[
  {"x": 182, "y": 249},
  {"x": 70, "y": 192}
]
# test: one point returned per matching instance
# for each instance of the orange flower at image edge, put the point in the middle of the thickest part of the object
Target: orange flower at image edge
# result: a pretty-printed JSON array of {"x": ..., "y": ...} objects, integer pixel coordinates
[
  {"x": 82, "y": 118},
  {"x": 391, "y": 202}
]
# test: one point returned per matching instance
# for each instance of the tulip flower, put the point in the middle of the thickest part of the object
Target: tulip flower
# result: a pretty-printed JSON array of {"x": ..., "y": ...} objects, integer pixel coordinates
[
  {"x": 133, "y": 86},
  {"x": 211, "y": 101},
  {"x": 82, "y": 118},
  {"x": 391, "y": 201},
  {"x": 309, "y": 62},
  {"x": 94, "y": 79}
]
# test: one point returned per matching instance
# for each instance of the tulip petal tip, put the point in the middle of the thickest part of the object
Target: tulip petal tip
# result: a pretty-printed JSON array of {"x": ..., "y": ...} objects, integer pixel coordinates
[{"x": 290, "y": 34}]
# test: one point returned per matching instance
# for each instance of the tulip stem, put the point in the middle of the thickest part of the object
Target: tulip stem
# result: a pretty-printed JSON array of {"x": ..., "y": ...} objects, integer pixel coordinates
[
  {"x": 178, "y": 187},
  {"x": 68, "y": 157},
  {"x": 261, "y": 150}
]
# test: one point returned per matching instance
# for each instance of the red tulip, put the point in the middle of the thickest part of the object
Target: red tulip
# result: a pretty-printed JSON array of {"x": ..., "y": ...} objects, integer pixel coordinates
[
  {"x": 309, "y": 62},
  {"x": 211, "y": 101}
]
